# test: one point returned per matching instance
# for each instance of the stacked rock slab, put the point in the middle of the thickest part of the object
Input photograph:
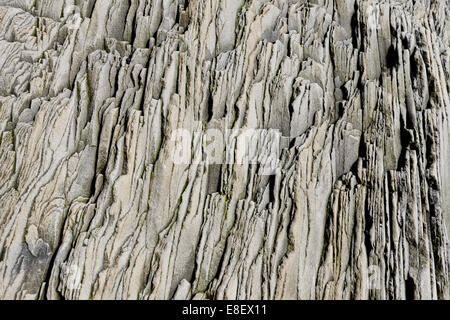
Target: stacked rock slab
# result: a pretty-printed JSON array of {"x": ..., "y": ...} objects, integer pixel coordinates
[{"x": 92, "y": 205}]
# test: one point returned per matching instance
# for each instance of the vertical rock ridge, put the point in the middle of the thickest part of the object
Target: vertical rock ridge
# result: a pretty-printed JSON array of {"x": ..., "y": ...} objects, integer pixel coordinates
[{"x": 352, "y": 98}]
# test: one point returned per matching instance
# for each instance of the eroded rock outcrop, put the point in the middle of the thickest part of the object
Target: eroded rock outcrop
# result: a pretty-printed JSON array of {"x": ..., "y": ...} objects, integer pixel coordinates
[{"x": 354, "y": 94}]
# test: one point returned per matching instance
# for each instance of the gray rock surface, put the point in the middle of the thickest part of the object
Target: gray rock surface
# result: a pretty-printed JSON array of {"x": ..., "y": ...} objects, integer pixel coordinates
[{"x": 353, "y": 93}]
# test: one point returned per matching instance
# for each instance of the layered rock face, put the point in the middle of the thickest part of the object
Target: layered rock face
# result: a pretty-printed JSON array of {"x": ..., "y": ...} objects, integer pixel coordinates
[{"x": 351, "y": 96}]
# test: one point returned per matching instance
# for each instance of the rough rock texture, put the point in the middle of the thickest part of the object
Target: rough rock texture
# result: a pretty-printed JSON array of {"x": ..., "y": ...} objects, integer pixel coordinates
[{"x": 93, "y": 207}]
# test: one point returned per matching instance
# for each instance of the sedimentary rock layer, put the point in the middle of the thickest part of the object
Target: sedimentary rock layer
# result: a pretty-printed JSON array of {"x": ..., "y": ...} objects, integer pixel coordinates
[{"x": 353, "y": 93}]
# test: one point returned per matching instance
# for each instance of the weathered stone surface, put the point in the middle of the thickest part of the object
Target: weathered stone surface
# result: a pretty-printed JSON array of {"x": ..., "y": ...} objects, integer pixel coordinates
[{"x": 92, "y": 205}]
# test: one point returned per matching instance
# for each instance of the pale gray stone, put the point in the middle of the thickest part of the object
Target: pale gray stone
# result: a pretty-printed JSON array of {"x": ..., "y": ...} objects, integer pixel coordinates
[{"x": 93, "y": 206}]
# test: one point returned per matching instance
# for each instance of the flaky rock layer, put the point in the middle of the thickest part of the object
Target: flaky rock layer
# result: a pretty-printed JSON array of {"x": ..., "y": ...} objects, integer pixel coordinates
[{"x": 93, "y": 205}]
